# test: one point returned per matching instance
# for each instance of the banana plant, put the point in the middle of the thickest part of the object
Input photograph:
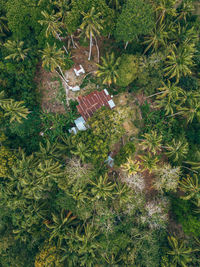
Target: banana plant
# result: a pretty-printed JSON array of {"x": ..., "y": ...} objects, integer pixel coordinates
[
  {"x": 131, "y": 166},
  {"x": 152, "y": 141},
  {"x": 190, "y": 186},
  {"x": 102, "y": 188},
  {"x": 83, "y": 241},
  {"x": 61, "y": 225},
  {"x": 180, "y": 254},
  {"x": 149, "y": 162}
]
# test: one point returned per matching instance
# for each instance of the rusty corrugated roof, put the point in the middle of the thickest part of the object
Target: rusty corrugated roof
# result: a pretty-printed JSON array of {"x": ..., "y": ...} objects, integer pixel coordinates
[{"x": 90, "y": 103}]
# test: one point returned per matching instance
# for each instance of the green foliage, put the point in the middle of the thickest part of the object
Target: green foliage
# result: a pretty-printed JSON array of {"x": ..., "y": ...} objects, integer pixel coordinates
[
  {"x": 7, "y": 159},
  {"x": 152, "y": 142},
  {"x": 180, "y": 61},
  {"x": 167, "y": 178},
  {"x": 108, "y": 70},
  {"x": 177, "y": 150},
  {"x": 179, "y": 253},
  {"x": 105, "y": 129},
  {"x": 78, "y": 7},
  {"x": 136, "y": 18},
  {"x": 60, "y": 204},
  {"x": 56, "y": 125},
  {"x": 127, "y": 70},
  {"x": 190, "y": 186},
  {"x": 27, "y": 133},
  {"x": 126, "y": 151},
  {"x": 48, "y": 256},
  {"x": 190, "y": 223},
  {"x": 20, "y": 22}
]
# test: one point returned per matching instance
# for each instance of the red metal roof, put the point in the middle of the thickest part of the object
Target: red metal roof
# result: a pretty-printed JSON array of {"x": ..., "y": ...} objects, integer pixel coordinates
[{"x": 90, "y": 103}]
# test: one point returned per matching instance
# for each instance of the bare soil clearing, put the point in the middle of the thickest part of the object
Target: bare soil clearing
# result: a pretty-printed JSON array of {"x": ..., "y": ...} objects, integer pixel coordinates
[{"x": 48, "y": 89}]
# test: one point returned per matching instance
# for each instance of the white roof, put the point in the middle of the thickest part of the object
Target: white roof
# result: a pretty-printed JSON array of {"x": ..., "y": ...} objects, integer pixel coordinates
[
  {"x": 111, "y": 103},
  {"x": 106, "y": 92},
  {"x": 80, "y": 123},
  {"x": 73, "y": 129}
]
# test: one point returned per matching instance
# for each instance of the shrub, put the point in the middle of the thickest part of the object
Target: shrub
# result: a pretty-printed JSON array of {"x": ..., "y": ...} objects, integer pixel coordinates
[
  {"x": 191, "y": 222},
  {"x": 128, "y": 70},
  {"x": 126, "y": 151}
]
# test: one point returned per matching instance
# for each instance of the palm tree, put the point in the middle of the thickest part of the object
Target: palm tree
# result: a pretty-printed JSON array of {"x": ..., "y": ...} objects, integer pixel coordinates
[
  {"x": 191, "y": 187},
  {"x": 191, "y": 107},
  {"x": 17, "y": 50},
  {"x": 60, "y": 225},
  {"x": 102, "y": 189},
  {"x": 63, "y": 7},
  {"x": 186, "y": 8},
  {"x": 82, "y": 152},
  {"x": 168, "y": 106},
  {"x": 48, "y": 171},
  {"x": 53, "y": 25},
  {"x": 149, "y": 162},
  {"x": 184, "y": 34},
  {"x": 177, "y": 150},
  {"x": 115, "y": 4},
  {"x": 15, "y": 109},
  {"x": 165, "y": 8},
  {"x": 92, "y": 24},
  {"x": 48, "y": 151},
  {"x": 54, "y": 59},
  {"x": 84, "y": 244},
  {"x": 123, "y": 193},
  {"x": 156, "y": 38},
  {"x": 180, "y": 254},
  {"x": 152, "y": 142},
  {"x": 3, "y": 26},
  {"x": 180, "y": 60},
  {"x": 131, "y": 166},
  {"x": 171, "y": 91},
  {"x": 108, "y": 69}
]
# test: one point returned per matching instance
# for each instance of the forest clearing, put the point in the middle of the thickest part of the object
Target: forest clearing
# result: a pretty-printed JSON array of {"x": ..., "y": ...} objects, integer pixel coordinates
[{"x": 99, "y": 133}]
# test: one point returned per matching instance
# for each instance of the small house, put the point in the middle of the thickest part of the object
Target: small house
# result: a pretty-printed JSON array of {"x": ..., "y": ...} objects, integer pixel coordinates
[{"x": 88, "y": 105}]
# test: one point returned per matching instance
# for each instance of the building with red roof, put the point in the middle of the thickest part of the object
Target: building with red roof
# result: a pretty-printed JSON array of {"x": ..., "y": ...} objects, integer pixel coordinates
[{"x": 90, "y": 103}]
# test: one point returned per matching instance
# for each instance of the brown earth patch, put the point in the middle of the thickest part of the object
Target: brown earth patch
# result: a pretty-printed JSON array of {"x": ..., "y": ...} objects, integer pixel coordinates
[{"x": 48, "y": 89}]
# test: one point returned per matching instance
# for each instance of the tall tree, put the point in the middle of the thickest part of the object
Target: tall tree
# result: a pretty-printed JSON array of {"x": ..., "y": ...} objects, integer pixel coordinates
[
  {"x": 17, "y": 50},
  {"x": 157, "y": 37},
  {"x": 191, "y": 187},
  {"x": 171, "y": 91},
  {"x": 131, "y": 166},
  {"x": 82, "y": 152},
  {"x": 15, "y": 110},
  {"x": 165, "y": 8},
  {"x": 102, "y": 188},
  {"x": 179, "y": 253},
  {"x": 60, "y": 225},
  {"x": 92, "y": 25},
  {"x": 152, "y": 142},
  {"x": 53, "y": 25},
  {"x": 137, "y": 18},
  {"x": 54, "y": 59},
  {"x": 177, "y": 150},
  {"x": 180, "y": 60},
  {"x": 108, "y": 69},
  {"x": 149, "y": 162},
  {"x": 191, "y": 107}
]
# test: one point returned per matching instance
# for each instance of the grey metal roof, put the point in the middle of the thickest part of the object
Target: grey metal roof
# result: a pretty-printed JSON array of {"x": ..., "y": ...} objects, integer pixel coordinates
[{"x": 80, "y": 123}]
